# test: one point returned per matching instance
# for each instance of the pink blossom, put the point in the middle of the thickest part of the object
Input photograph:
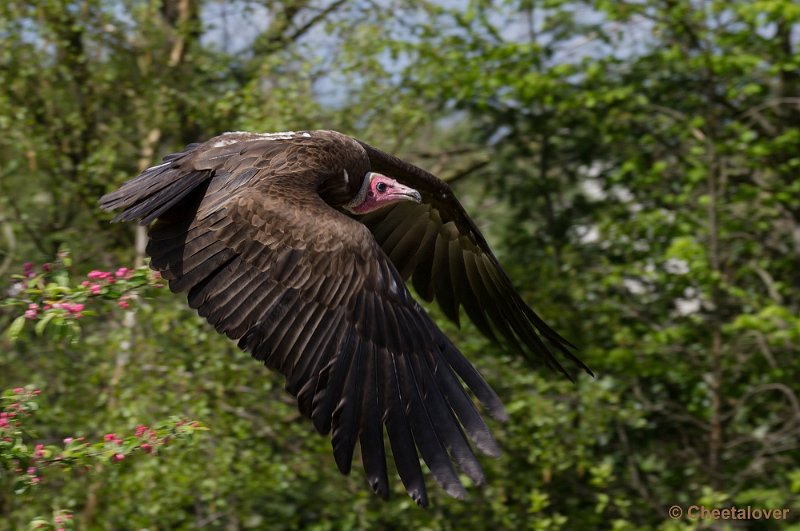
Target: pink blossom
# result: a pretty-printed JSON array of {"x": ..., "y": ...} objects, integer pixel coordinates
[
  {"x": 76, "y": 308},
  {"x": 47, "y": 267},
  {"x": 85, "y": 283},
  {"x": 27, "y": 269},
  {"x": 68, "y": 440},
  {"x": 123, "y": 304},
  {"x": 119, "y": 457},
  {"x": 3, "y": 423},
  {"x": 140, "y": 429},
  {"x": 33, "y": 306},
  {"x": 109, "y": 436},
  {"x": 30, "y": 314},
  {"x": 146, "y": 448},
  {"x": 97, "y": 275},
  {"x": 31, "y": 471},
  {"x": 35, "y": 480},
  {"x": 19, "y": 390},
  {"x": 95, "y": 289},
  {"x": 122, "y": 272}
]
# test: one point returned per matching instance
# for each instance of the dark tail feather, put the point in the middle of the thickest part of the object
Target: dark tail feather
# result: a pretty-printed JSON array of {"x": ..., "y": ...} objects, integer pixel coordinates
[{"x": 156, "y": 190}]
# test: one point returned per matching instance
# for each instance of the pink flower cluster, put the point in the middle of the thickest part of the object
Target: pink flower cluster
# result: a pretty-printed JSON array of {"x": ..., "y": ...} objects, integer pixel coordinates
[
  {"x": 74, "y": 308},
  {"x": 32, "y": 311},
  {"x": 29, "y": 269},
  {"x": 122, "y": 272},
  {"x": 71, "y": 307},
  {"x": 62, "y": 519},
  {"x": 16, "y": 410},
  {"x": 38, "y": 453},
  {"x": 112, "y": 437},
  {"x": 96, "y": 278}
]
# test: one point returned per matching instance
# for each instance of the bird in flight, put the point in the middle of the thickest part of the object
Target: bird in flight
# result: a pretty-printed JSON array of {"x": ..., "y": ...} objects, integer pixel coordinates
[{"x": 298, "y": 245}]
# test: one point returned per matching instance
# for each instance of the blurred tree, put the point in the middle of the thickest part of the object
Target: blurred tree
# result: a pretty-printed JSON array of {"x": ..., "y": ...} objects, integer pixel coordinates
[
  {"x": 648, "y": 155},
  {"x": 634, "y": 162}
]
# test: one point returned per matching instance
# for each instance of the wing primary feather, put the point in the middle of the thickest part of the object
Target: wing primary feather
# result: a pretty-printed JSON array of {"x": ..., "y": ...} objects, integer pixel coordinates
[
  {"x": 316, "y": 376},
  {"x": 403, "y": 256},
  {"x": 421, "y": 278},
  {"x": 373, "y": 453},
  {"x": 331, "y": 383},
  {"x": 475, "y": 300},
  {"x": 400, "y": 439},
  {"x": 261, "y": 302},
  {"x": 316, "y": 349},
  {"x": 493, "y": 303},
  {"x": 474, "y": 381},
  {"x": 234, "y": 317},
  {"x": 347, "y": 414},
  {"x": 463, "y": 406},
  {"x": 397, "y": 224},
  {"x": 511, "y": 308},
  {"x": 443, "y": 288},
  {"x": 287, "y": 334},
  {"x": 445, "y": 422},
  {"x": 382, "y": 222},
  {"x": 425, "y": 433},
  {"x": 275, "y": 324}
]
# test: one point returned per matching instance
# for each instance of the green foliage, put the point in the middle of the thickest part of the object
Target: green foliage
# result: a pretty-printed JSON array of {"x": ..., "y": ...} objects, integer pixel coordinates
[{"x": 634, "y": 164}]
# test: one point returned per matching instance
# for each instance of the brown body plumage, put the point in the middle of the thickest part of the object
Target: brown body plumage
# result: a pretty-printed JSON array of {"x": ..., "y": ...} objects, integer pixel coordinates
[{"x": 255, "y": 228}]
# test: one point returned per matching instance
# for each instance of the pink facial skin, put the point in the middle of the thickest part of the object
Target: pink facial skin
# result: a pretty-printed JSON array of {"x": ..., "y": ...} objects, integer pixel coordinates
[{"x": 381, "y": 191}]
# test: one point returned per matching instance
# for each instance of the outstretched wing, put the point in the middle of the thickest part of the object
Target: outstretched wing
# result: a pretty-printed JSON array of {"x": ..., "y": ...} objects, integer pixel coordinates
[
  {"x": 308, "y": 291},
  {"x": 440, "y": 248}
]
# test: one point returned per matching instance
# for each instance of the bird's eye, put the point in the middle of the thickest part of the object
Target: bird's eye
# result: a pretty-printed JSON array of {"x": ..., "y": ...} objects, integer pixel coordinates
[{"x": 380, "y": 187}]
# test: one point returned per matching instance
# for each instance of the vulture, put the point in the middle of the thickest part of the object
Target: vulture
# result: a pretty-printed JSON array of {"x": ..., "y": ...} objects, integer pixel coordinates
[{"x": 298, "y": 245}]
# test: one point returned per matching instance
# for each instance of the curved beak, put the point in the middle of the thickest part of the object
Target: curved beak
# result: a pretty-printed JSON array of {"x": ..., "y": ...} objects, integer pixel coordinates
[{"x": 401, "y": 192}]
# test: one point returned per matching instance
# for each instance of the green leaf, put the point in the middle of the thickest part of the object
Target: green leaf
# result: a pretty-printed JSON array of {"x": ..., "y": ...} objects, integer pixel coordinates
[{"x": 14, "y": 329}]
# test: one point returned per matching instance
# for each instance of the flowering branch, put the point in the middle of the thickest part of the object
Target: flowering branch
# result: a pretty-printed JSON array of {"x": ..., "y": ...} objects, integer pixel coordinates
[
  {"x": 22, "y": 461},
  {"x": 46, "y": 298}
]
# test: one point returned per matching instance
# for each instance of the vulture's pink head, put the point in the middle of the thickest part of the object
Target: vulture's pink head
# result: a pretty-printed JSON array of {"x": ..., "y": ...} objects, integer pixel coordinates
[{"x": 378, "y": 191}]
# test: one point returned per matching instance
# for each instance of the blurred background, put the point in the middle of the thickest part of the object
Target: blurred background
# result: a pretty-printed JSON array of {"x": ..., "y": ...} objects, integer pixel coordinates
[{"x": 633, "y": 163}]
